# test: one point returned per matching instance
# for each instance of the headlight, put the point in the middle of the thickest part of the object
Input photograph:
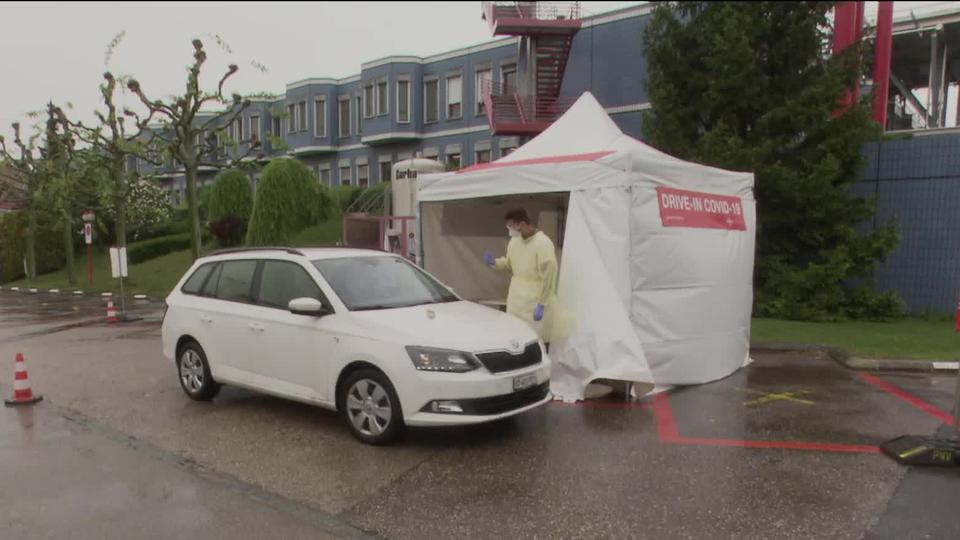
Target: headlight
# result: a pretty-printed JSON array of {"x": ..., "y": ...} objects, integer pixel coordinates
[{"x": 426, "y": 359}]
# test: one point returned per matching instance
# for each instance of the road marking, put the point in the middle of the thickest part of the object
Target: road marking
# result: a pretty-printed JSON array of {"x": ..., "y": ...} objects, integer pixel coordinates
[{"x": 767, "y": 397}]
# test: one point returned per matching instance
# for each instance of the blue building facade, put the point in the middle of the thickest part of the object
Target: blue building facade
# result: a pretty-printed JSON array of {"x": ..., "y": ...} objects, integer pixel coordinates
[{"x": 350, "y": 131}]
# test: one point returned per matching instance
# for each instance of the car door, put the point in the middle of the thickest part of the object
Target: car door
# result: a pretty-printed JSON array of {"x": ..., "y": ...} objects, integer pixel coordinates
[
  {"x": 228, "y": 318},
  {"x": 191, "y": 308},
  {"x": 291, "y": 350}
]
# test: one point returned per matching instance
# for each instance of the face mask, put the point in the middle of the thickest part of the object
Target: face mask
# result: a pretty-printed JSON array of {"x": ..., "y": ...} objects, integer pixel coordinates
[{"x": 513, "y": 232}]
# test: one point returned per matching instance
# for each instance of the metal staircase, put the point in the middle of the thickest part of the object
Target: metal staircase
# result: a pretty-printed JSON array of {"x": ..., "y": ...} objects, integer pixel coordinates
[{"x": 550, "y": 28}]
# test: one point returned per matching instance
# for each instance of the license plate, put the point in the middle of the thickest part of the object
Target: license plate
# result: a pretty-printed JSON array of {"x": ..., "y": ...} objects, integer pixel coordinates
[{"x": 524, "y": 381}]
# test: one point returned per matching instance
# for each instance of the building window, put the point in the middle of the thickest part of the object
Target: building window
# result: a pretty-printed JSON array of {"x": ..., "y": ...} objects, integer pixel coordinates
[
  {"x": 382, "y": 99},
  {"x": 483, "y": 81},
  {"x": 368, "y": 101},
  {"x": 345, "y": 179},
  {"x": 504, "y": 152},
  {"x": 386, "y": 169},
  {"x": 291, "y": 118},
  {"x": 454, "y": 97},
  {"x": 323, "y": 174},
  {"x": 320, "y": 117},
  {"x": 344, "y": 116},
  {"x": 508, "y": 79},
  {"x": 363, "y": 175},
  {"x": 302, "y": 116},
  {"x": 454, "y": 160},
  {"x": 275, "y": 128},
  {"x": 238, "y": 129},
  {"x": 359, "y": 119},
  {"x": 403, "y": 102},
  {"x": 483, "y": 156},
  {"x": 431, "y": 101},
  {"x": 255, "y": 128}
]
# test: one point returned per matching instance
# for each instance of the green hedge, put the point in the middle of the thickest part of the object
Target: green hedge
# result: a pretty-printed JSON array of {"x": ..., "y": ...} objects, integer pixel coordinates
[
  {"x": 231, "y": 197},
  {"x": 287, "y": 201},
  {"x": 157, "y": 247},
  {"x": 13, "y": 246}
]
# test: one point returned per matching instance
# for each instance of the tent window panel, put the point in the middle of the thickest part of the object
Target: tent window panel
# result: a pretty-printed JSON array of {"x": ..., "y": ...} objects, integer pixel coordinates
[{"x": 484, "y": 217}]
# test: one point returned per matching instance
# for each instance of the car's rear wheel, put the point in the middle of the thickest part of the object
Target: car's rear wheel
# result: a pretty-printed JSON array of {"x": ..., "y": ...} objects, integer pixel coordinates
[
  {"x": 370, "y": 407},
  {"x": 194, "y": 373}
]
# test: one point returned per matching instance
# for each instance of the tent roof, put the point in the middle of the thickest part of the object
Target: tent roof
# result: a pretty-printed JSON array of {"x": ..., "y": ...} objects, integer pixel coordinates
[{"x": 584, "y": 136}]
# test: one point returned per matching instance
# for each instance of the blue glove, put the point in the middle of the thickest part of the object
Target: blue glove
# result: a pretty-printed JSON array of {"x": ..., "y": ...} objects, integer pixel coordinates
[
  {"x": 488, "y": 258},
  {"x": 538, "y": 312}
]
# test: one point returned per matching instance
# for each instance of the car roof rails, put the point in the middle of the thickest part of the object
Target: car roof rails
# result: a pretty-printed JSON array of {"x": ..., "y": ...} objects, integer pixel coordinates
[{"x": 231, "y": 251}]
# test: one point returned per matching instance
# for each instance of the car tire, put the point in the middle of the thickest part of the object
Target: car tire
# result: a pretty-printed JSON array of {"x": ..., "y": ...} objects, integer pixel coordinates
[
  {"x": 193, "y": 371},
  {"x": 370, "y": 407}
]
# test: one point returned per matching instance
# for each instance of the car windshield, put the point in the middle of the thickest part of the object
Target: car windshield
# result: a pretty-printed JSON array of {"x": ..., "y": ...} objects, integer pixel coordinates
[{"x": 366, "y": 283}]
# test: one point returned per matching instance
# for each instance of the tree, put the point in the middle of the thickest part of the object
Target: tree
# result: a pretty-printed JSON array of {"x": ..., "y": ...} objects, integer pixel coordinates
[
  {"x": 231, "y": 203},
  {"x": 112, "y": 146},
  {"x": 192, "y": 140},
  {"x": 287, "y": 201},
  {"x": 30, "y": 172},
  {"x": 146, "y": 208},
  {"x": 60, "y": 187},
  {"x": 751, "y": 86}
]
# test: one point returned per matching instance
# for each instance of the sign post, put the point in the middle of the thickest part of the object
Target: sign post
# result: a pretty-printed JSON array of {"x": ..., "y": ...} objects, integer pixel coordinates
[
  {"x": 118, "y": 268},
  {"x": 88, "y": 218}
]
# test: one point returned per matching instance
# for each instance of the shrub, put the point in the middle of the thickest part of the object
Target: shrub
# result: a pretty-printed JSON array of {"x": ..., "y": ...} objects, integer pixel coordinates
[
  {"x": 13, "y": 246},
  {"x": 231, "y": 202},
  {"x": 231, "y": 196},
  {"x": 157, "y": 247},
  {"x": 228, "y": 231},
  {"x": 284, "y": 203}
]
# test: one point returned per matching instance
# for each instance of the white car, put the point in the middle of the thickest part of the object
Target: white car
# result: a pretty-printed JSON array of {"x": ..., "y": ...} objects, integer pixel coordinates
[{"x": 362, "y": 332}]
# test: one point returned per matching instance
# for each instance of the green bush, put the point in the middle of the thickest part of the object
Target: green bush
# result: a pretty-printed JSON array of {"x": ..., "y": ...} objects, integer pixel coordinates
[
  {"x": 284, "y": 205},
  {"x": 231, "y": 202},
  {"x": 230, "y": 196},
  {"x": 13, "y": 246},
  {"x": 344, "y": 196},
  {"x": 157, "y": 247}
]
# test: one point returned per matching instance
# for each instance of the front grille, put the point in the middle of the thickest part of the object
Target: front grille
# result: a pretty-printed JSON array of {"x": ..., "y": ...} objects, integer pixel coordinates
[
  {"x": 506, "y": 402},
  {"x": 498, "y": 362}
]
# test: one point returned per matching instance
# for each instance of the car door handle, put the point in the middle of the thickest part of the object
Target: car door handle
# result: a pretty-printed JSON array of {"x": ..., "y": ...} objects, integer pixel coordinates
[
  {"x": 256, "y": 327},
  {"x": 206, "y": 320}
]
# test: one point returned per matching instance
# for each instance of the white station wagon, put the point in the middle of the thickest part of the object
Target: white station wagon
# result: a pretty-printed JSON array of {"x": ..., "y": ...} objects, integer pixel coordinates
[{"x": 362, "y": 332}]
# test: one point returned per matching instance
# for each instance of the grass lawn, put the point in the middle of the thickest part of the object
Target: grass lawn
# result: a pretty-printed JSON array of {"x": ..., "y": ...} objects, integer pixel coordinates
[
  {"x": 154, "y": 278},
  {"x": 157, "y": 276},
  {"x": 907, "y": 339}
]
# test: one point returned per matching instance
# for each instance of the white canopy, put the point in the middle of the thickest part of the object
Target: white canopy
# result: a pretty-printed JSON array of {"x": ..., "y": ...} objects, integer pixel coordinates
[{"x": 656, "y": 253}]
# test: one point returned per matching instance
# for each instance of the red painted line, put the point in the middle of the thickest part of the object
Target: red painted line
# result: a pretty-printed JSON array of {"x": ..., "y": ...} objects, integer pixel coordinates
[
  {"x": 591, "y": 156},
  {"x": 666, "y": 424},
  {"x": 786, "y": 445},
  {"x": 668, "y": 433},
  {"x": 907, "y": 397}
]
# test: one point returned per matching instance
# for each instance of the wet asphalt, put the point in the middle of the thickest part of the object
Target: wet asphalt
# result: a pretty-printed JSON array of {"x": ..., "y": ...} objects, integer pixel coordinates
[{"x": 785, "y": 448}]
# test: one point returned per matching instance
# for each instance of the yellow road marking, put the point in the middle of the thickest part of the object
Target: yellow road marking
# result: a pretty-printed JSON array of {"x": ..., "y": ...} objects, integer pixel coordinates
[{"x": 776, "y": 396}]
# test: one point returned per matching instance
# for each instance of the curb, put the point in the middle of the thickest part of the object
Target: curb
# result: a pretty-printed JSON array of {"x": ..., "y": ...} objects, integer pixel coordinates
[{"x": 844, "y": 358}]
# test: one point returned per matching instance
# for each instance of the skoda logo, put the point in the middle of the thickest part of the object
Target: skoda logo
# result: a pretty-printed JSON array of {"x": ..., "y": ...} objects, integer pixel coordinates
[{"x": 514, "y": 344}]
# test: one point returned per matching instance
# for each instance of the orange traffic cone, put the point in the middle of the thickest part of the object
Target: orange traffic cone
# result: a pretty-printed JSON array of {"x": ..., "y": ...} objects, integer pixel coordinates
[
  {"x": 111, "y": 312},
  {"x": 22, "y": 394}
]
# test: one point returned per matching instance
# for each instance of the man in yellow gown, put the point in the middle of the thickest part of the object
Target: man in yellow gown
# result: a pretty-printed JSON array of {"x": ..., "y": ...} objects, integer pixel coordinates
[{"x": 532, "y": 261}]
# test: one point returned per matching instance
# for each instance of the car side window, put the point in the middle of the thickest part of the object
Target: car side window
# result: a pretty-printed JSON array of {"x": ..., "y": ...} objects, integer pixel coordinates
[
  {"x": 195, "y": 282},
  {"x": 210, "y": 287},
  {"x": 236, "y": 281},
  {"x": 282, "y": 281}
]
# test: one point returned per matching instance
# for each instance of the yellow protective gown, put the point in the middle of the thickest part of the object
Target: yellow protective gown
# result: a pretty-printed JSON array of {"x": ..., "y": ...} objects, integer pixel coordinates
[{"x": 533, "y": 264}]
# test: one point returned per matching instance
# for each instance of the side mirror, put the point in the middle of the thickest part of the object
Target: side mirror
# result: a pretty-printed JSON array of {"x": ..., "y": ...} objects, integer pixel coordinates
[{"x": 308, "y": 306}]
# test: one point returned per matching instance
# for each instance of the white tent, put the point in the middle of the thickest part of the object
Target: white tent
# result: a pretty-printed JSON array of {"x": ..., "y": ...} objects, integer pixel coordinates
[{"x": 656, "y": 254}]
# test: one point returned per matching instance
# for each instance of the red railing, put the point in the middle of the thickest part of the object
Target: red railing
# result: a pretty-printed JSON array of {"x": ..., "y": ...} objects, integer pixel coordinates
[
  {"x": 540, "y": 11},
  {"x": 510, "y": 110}
]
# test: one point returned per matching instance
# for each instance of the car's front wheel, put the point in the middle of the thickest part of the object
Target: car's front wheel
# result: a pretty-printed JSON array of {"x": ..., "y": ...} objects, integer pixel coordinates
[
  {"x": 194, "y": 373},
  {"x": 370, "y": 407}
]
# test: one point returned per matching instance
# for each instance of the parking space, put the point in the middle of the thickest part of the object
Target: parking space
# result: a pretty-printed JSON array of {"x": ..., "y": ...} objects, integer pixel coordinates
[{"x": 785, "y": 448}]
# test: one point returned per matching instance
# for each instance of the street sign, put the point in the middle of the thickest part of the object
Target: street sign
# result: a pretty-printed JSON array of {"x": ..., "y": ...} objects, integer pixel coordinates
[
  {"x": 88, "y": 233},
  {"x": 118, "y": 262}
]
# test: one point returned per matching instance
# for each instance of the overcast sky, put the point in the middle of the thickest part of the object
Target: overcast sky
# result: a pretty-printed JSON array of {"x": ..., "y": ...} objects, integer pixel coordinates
[{"x": 55, "y": 51}]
